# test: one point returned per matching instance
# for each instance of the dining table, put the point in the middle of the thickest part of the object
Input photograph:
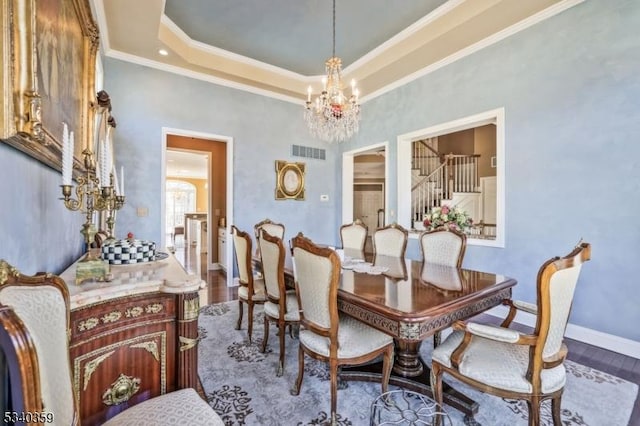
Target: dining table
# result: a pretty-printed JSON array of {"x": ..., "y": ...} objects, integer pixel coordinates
[{"x": 411, "y": 300}]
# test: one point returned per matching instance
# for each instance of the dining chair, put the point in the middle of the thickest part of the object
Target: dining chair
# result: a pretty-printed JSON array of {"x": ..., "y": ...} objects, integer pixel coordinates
[
  {"x": 275, "y": 229},
  {"x": 327, "y": 335},
  {"x": 442, "y": 247},
  {"x": 509, "y": 363},
  {"x": 251, "y": 289},
  {"x": 390, "y": 240},
  {"x": 281, "y": 306},
  {"x": 354, "y": 236},
  {"x": 34, "y": 338}
]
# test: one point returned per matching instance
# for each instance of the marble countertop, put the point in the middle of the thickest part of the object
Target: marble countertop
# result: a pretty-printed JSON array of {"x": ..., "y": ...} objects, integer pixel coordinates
[{"x": 166, "y": 275}]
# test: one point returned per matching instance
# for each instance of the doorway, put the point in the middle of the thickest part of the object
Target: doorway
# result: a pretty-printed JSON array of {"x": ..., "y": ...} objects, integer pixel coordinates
[
  {"x": 218, "y": 217},
  {"x": 365, "y": 195}
]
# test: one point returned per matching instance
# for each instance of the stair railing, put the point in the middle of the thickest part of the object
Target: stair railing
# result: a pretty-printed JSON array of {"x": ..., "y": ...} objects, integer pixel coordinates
[{"x": 456, "y": 173}]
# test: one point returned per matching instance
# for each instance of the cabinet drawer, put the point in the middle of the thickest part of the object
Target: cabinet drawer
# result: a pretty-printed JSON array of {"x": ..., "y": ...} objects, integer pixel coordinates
[{"x": 89, "y": 321}]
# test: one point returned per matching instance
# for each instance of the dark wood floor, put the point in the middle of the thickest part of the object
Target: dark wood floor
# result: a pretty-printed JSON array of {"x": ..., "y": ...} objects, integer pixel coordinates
[{"x": 610, "y": 362}]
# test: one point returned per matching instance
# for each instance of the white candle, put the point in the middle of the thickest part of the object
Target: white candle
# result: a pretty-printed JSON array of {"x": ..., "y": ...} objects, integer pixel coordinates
[
  {"x": 103, "y": 162},
  {"x": 309, "y": 94},
  {"x": 65, "y": 149},
  {"x": 122, "y": 180},
  {"x": 115, "y": 180}
]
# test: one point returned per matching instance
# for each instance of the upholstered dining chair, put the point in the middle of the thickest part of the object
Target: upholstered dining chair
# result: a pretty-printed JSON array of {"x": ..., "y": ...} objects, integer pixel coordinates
[
  {"x": 281, "y": 306},
  {"x": 251, "y": 290},
  {"x": 442, "y": 247},
  {"x": 390, "y": 240},
  {"x": 508, "y": 363},
  {"x": 325, "y": 334},
  {"x": 354, "y": 236},
  {"x": 275, "y": 229},
  {"x": 34, "y": 318}
]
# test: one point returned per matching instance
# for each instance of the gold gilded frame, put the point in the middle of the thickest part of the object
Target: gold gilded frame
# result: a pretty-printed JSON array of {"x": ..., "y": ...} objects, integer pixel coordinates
[
  {"x": 32, "y": 111},
  {"x": 289, "y": 180}
]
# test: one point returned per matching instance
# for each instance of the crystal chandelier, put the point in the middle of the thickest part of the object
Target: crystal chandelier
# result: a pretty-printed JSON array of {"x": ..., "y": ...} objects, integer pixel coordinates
[{"x": 333, "y": 117}]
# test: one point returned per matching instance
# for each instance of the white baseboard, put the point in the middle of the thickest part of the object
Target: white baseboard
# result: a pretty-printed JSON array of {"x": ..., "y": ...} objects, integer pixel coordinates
[{"x": 586, "y": 335}]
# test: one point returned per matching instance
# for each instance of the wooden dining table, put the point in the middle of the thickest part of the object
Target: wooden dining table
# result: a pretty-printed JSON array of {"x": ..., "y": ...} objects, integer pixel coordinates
[{"x": 411, "y": 301}]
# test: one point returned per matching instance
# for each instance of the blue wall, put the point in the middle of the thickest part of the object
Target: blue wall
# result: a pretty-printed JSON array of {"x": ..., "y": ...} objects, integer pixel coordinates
[
  {"x": 570, "y": 87},
  {"x": 263, "y": 129},
  {"x": 37, "y": 233}
]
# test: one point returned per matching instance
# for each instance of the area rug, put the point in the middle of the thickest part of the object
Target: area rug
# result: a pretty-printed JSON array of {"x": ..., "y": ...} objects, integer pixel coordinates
[{"x": 240, "y": 383}]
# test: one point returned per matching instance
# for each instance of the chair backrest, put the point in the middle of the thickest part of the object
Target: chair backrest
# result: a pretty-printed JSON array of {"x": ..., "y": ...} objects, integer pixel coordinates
[
  {"x": 34, "y": 312},
  {"x": 275, "y": 229},
  {"x": 272, "y": 254},
  {"x": 318, "y": 277},
  {"x": 443, "y": 247},
  {"x": 390, "y": 240},
  {"x": 242, "y": 247},
  {"x": 556, "y": 283},
  {"x": 354, "y": 235}
]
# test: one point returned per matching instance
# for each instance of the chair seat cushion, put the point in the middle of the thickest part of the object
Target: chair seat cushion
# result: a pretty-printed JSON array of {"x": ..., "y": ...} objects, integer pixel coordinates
[
  {"x": 355, "y": 339},
  {"x": 497, "y": 364},
  {"x": 259, "y": 289},
  {"x": 291, "y": 305},
  {"x": 182, "y": 407}
]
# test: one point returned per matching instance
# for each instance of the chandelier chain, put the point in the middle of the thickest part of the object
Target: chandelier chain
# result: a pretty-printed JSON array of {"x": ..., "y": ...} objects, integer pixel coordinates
[{"x": 333, "y": 54}]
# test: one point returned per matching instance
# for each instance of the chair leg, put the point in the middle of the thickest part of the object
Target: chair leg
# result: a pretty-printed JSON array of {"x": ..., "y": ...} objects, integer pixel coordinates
[
  {"x": 281, "y": 327},
  {"x": 239, "y": 324},
  {"x": 250, "y": 320},
  {"x": 266, "y": 334},
  {"x": 555, "y": 410},
  {"x": 534, "y": 411},
  {"x": 436, "y": 383},
  {"x": 333, "y": 372},
  {"x": 298, "y": 384},
  {"x": 387, "y": 365}
]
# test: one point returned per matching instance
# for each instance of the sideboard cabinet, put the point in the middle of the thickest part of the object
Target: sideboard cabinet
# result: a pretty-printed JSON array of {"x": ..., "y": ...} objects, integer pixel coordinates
[{"x": 132, "y": 338}]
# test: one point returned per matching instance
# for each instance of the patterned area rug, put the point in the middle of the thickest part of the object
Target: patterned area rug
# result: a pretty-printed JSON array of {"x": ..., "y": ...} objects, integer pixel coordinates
[{"x": 241, "y": 385}]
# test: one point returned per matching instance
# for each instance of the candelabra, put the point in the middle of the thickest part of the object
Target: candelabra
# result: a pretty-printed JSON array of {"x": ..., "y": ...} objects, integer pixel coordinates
[{"x": 90, "y": 197}]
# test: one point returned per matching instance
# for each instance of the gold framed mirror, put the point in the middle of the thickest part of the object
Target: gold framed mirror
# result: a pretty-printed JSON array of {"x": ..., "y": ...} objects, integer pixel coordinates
[{"x": 289, "y": 180}]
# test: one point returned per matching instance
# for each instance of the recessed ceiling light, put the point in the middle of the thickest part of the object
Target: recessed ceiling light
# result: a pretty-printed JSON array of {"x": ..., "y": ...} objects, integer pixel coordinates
[{"x": 163, "y": 52}]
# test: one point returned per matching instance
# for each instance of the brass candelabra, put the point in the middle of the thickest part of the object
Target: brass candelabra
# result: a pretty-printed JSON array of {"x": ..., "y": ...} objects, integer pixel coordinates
[{"x": 91, "y": 196}]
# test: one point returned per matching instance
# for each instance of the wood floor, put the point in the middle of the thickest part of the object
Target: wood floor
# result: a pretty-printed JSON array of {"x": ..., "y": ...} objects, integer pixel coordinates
[{"x": 610, "y": 362}]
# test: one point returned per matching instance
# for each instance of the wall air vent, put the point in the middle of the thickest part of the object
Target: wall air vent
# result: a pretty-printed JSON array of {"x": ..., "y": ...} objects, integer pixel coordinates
[{"x": 308, "y": 152}]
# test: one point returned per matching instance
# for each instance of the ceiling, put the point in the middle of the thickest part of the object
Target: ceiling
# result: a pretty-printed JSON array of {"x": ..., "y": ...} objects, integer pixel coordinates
[
  {"x": 277, "y": 48},
  {"x": 186, "y": 164}
]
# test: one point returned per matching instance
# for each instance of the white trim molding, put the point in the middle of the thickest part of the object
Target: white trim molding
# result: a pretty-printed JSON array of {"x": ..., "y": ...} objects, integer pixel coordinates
[{"x": 576, "y": 332}]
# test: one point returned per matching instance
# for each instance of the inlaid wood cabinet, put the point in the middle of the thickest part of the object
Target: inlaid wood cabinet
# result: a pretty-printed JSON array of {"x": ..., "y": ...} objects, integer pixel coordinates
[{"x": 133, "y": 339}]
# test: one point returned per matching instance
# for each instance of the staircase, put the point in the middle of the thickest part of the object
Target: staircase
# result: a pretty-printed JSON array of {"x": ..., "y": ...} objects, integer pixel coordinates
[{"x": 438, "y": 179}]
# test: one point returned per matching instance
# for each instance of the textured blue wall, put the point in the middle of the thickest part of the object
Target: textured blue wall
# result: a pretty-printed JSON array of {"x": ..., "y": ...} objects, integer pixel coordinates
[
  {"x": 570, "y": 87},
  {"x": 263, "y": 129},
  {"x": 37, "y": 233}
]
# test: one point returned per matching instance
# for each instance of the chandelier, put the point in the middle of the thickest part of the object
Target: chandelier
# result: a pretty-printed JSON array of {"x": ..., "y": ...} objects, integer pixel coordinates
[{"x": 333, "y": 117}]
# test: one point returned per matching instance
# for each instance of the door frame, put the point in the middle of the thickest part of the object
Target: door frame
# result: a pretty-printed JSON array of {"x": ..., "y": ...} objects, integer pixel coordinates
[
  {"x": 347, "y": 180},
  {"x": 166, "y": 131}
]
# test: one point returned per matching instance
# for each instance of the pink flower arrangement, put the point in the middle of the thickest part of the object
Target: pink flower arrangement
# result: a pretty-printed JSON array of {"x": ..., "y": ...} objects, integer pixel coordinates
[{"x": 447, "y": 217}]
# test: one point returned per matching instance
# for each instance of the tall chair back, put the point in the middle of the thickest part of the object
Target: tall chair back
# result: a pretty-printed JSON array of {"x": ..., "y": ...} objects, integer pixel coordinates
[
  {"x": 354, "y": 236},
  {"x": 242, "y": 247},
  {"x": 443, "y": 247},
  {"x": 34, "y": 311},
  {"x": 275, "y": 229},
  {"x": 390, "y": 240},
  {"x": 272, "y": 253}
]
